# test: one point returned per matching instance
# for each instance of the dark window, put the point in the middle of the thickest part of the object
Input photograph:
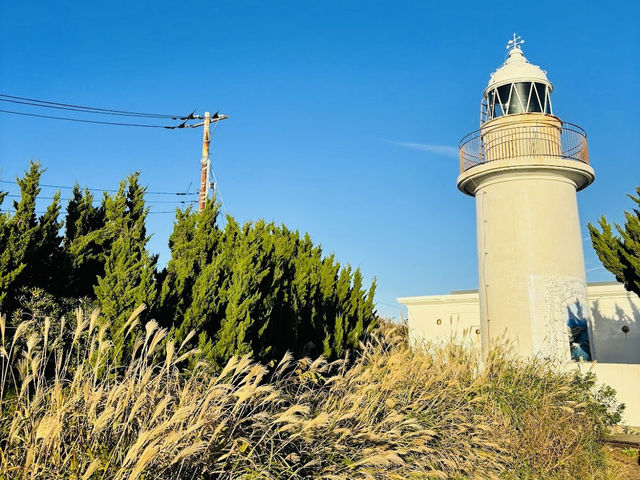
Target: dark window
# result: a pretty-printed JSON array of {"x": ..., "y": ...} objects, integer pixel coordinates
[
  {"x": 518, "y": 97},
  {"x": 537, "y": 98},
  {"x": 502, "y": 99}
]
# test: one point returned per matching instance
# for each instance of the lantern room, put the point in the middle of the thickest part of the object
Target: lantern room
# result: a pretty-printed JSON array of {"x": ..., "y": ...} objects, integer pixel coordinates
[
  {"x": 516, "y": 87},
  {"x": 517, "y": 123}
]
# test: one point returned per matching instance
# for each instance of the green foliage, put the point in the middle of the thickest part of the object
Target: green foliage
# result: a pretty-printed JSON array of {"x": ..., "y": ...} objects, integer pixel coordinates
[
  {"x": 129, "y": 271},
  {"x": 258, "y": 289},
  {"x": 194, "y": 239},
  {"x": 10, "y": 266},
  {"x": 24, "y": 240},
  {"x": 85, "y": 244},
  {"x": 620, "y": 254}
]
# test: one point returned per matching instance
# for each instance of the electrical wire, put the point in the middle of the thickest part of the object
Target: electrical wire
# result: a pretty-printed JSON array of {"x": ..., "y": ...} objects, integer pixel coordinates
[
  {"x": 111, "y": 190},
  {"x": 151, "y": 202},
  {"x": 42, "y": 212},
  {"x": 121, "y": 124},
  {"x": 105, "y": 111}
]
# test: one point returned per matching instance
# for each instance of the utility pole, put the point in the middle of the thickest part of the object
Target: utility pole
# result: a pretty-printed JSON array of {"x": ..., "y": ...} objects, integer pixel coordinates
[{"x": 205, "y": 161}]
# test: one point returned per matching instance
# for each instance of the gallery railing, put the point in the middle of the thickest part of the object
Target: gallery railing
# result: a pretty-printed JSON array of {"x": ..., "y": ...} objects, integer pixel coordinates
[{"x": 527, "y": 141}]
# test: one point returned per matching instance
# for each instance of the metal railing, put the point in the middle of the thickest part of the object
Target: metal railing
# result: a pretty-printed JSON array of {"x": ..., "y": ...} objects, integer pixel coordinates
[{"x": 526, "y": 141}]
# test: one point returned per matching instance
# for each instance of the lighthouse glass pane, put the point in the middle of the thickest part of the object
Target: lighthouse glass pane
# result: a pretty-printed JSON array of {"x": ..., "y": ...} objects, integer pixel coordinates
[
  {"x": 537, "y": 98},
  {"x": 502, "y": 99},
  {"x": 547, "y": 102},
  {"x": 490, "y": 101},
  {"x": 519, "y": 97},
  {"x": 494, "y": 108}
]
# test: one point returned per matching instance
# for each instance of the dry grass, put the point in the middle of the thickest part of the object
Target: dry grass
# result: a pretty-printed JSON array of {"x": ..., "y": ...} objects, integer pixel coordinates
[
  {"x": 625, "y": 462},
  {"x": 393, "y": 413}
]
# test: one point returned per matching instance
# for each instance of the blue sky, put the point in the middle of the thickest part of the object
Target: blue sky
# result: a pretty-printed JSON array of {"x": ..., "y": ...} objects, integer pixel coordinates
[{"x": 344, "y": 116}]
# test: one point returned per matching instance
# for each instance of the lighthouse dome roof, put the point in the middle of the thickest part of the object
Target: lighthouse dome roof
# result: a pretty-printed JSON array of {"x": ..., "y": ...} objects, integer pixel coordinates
[{"x": 517, "y": 68}]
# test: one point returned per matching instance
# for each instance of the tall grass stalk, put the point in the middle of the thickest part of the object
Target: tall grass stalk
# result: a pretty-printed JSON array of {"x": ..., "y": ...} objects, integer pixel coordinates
[{"x": 66, "y": 411}]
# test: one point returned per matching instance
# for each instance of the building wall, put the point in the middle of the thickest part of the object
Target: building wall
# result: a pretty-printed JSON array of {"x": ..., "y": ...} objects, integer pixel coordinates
[
  {"x": 625, "y": 380},
  {"x": 522, "y": 272},
  {"x": 441, "y": 318},
  {"x": 611, "y": 307}
]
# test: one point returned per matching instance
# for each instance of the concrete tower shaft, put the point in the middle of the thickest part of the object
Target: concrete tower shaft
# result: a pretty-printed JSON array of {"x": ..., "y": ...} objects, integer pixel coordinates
[{"x": 524, "y": 167}]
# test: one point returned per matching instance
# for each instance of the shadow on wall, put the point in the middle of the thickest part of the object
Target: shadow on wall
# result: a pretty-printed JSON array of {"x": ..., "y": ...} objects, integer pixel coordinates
[
  {"x": 616, "y": 335},
  {"x": 578, "y": 333}
]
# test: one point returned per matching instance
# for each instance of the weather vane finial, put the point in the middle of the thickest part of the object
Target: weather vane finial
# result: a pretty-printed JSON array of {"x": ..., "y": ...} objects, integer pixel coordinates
[{"x": 515, "y": 42}]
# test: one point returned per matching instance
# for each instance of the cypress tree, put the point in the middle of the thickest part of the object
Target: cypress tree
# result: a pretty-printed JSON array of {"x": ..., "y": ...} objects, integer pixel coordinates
[
  {"x": 19, "y": 232},
  {"x": 260, "y": 289},
  {"x": 244, "y": 319},
  {"x": 354, "y": 311},
  {"x": 620, "y": 254},
  {"x": 280, "y": 333},
  {"x": 128, "y": 279},
  {"x": 208, "y": 296},
  {"x": 45, "y": 260},
  {"x": 86, "y": 243},
  {"x": 8, "y": 272},
  {"x": 193, "y": 245},
  {"x": 328, "y": 277},
  {"x": 305, "y": 285}
]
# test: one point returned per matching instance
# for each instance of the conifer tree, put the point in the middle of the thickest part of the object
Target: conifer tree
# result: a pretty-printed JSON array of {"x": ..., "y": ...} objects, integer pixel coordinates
[
  {"x": 332, "y": 323},
  {"x": 260, "y": 289},
  {"x": 620, "y": 254},
  {"x": 85, "y": 243},
  {"x": 245, "y": 319},
  {"x": 19, "y": 232},
  {"x": 45, "y": 259},
  {"x": 193, "y": 246},
  {"x": 8, "y": 274},
  {"x": 128, "y": 279},
  {"x": 206, "y": 301},
  {"x": 281, "y": 332}
]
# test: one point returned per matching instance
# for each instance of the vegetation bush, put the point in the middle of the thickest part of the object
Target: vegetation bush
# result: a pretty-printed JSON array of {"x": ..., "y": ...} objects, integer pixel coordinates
[
  {"x": 620, "y": 253},
  {"x": 392, "y": 412},
  {"x": 257, "y": 288}
]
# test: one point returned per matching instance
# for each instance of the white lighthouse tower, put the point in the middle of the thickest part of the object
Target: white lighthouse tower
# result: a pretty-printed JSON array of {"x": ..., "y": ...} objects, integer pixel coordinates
[{"x": 524, "y": 167}]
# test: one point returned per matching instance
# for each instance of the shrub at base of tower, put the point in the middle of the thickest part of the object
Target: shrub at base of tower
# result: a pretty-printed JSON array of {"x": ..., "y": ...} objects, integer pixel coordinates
[{"x": 621, "y": 254}]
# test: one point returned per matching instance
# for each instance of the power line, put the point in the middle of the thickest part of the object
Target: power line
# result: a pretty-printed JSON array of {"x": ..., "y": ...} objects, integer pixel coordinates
[
  {"x": 208, "y": 119},
  {"x": 84, "y": 108},
  {"x": 121, "y": 124},
  {"x": 42, "y": 212},
  {"x": 111, "y": 190},
  {"x": 151, "y": 202},
  {"x": 191, "y": 116}
]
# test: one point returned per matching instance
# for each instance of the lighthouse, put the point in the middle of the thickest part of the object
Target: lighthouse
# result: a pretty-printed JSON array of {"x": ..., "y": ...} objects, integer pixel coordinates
[{"x": 524, "y": 166}]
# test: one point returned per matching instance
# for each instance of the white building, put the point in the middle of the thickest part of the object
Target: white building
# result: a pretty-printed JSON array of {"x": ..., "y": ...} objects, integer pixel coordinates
[
  {"x": 613, "y": 331},
  {"x": 524, "y": 166}
]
